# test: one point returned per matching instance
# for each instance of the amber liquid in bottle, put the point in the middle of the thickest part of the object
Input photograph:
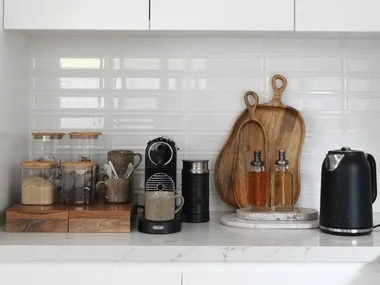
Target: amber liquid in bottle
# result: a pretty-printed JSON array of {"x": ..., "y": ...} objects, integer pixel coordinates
[
  {"x": 281, "y": 186},
  {"x": 258, "y": 184}
]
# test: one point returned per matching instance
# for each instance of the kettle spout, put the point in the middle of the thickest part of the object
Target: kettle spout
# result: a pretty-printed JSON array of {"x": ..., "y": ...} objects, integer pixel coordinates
[{"x": 332, "y": 161}]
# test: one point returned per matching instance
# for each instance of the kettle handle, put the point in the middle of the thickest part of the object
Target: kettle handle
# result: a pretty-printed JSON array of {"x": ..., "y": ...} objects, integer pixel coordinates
[{"x": 372, "y": 163}]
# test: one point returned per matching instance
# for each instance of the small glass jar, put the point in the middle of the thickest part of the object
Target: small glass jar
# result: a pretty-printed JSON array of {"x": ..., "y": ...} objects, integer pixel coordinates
[
  {"x": 47, "y": 147},
  {"x": 78, "y": 182},
  {"x": 38, "y": 183},
  {"x": 85, "y": 146}
]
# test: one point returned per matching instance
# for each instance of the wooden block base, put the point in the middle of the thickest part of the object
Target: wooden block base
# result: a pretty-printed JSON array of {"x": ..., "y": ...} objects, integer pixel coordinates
[{"x": 97, "y": 218}]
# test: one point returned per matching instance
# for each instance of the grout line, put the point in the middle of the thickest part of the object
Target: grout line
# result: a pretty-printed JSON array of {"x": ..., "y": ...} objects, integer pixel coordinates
[
  {"x": 30, "y": 115},
  {"x": 294, "y": 14}
]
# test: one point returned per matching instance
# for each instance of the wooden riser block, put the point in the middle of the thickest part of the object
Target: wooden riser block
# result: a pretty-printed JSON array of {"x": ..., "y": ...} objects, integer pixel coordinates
[
  {"x": 103, "y": 218},
  {"x": 98, "y": 218},
  {"x": 51, "y": 219}
]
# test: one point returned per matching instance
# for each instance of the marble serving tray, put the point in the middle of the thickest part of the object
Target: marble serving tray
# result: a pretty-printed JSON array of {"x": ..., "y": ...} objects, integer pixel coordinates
[
  {"x": 232, "y": 220},
  {"x": 299, "y": 214}
]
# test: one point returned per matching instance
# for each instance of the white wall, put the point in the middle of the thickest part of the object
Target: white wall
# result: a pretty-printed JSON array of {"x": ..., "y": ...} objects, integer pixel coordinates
[
  {"x": 14, "y": 112},
  {"x": 192, "y": 90}
]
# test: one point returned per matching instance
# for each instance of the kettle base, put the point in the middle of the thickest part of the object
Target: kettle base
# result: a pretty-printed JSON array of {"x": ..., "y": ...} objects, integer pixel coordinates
[{"x": 346, "y": 232}]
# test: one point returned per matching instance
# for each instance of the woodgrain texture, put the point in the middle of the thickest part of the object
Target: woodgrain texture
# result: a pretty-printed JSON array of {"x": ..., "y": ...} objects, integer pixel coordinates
[
  {"x": 101, "y": 218},
  {"x": 23, "y": 218},
  {"x": 251, "y": 136},
  {"x": 285, "y": 129},
  {"x": 100, "y": 225},
  {"x": 97, "y": 218}
]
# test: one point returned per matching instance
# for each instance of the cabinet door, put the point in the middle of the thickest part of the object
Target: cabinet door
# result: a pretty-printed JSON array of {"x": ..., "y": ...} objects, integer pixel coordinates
[
  {"x": 223, "y": 15},
  {"x": 85, "y": 273},
  {"x": 76, "y": 14},
  {"x": 269, "y": 273},
  {"x": 338, "y": 15}
]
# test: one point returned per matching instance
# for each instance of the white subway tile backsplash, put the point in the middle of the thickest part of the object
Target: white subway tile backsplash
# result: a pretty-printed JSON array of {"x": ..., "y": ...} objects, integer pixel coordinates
[
  {"x": 363, "y": 64},
  {"x": 363, "y": 84},
  {"x": 310, "y": 102},
  {"x": 305, "y": 64},
  {"x": 160, "y": 64},
  {"x": 146, "y": 122},
  {"x": 225, "y": 83},
  {"x": 58, "y": 83},
  {"x": 215, "y": 102},
  {"x": 66, "y": 63},
  {"x": 322, "y": 122},
  {"x": 153, "y": 102},
  {"x": 205, "y": 142},
  {"x": 51, "y": 102},
  {"x": 227, "y": 64},
  {"x": 360, "y": 102},
  {"x": 136, "y": 141},
  {"x": 67, "y": 122},
  {"x": 210, "y": 123},
  {"x": 135, "y": 89},
  {"x": 314, "y": 84},
  {"x": 309, "y": 47}
]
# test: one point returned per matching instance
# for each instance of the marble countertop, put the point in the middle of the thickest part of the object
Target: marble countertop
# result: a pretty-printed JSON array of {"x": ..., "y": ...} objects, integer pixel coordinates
[{"x": 208, "y": 242}]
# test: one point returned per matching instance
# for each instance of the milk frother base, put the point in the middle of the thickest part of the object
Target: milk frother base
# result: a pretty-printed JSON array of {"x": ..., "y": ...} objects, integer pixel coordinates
[{"x": 156, "y": 227}]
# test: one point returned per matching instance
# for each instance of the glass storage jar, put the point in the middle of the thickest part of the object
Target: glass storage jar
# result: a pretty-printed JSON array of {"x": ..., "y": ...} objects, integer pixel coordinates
[
  {"x": 78, "y": 182},
  {"x": 38, "y": 183},
  {"x": 85, "y": 146},
  {"x": 47, "y": 147}
]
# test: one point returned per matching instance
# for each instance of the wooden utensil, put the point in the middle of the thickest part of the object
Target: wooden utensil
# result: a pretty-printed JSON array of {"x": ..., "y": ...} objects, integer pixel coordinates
[
  {"x": 252, "y": 136},
  {"x": 285, "y": 128}
]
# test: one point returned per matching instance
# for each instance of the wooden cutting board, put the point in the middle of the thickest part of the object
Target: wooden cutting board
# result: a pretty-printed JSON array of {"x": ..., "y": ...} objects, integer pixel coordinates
[
  {"x": 285, "y": 129},
  {"x": 251, "y": 136}
]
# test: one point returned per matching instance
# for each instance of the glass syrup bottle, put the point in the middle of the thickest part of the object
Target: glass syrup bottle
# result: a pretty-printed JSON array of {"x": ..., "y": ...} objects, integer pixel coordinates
[
  {"x": 281, "y": 185},
  {"x": 258, "y": 184}
]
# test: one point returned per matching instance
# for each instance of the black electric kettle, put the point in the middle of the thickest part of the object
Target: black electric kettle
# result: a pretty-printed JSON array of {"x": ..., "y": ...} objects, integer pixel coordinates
[{"x": 348, "y": 189}]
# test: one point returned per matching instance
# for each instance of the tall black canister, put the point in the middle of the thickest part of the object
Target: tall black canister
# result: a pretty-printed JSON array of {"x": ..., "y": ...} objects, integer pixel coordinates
[{"x": 195, "y": 190}]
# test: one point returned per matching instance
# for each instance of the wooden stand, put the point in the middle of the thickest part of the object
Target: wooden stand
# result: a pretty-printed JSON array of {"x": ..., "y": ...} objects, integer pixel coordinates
[{"x": 97, "y": 218}]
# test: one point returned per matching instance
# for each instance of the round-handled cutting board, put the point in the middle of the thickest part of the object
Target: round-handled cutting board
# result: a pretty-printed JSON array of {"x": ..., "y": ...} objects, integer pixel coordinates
[{"x": 285, "y": 129}]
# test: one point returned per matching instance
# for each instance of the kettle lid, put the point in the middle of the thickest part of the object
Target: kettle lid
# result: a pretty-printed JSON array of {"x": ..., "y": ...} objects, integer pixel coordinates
[{"x": 345, "y": 150}]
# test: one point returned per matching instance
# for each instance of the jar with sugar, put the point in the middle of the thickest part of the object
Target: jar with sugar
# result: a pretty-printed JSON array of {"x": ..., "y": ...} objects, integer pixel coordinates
[{"x": 38, "y": 183}]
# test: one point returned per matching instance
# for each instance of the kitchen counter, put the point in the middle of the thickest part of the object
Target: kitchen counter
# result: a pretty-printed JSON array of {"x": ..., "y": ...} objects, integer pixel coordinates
[{"x": 208, "y": 242}]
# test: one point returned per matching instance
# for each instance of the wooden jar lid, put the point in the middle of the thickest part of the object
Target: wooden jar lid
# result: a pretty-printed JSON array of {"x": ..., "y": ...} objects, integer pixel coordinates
[
  {"x": 84, "y": 135},
  {"x": 39, "y": 164},
  {"x": 78, "y": 164},
  {"x": 57, "y": 136}
]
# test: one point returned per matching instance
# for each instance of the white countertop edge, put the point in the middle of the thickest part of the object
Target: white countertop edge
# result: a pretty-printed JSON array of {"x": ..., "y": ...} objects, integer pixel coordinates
[
  {"x": 207, "y": 242},
  {"x": 179, "y": 254}
]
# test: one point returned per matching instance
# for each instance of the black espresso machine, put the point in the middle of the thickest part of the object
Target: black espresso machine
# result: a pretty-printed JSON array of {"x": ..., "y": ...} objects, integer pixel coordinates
[{"x": 160, "y": 175}]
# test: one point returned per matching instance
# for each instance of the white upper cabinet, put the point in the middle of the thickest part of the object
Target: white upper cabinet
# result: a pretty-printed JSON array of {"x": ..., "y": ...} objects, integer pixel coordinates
[
  {"x": 222, "y": 15},
  {"x": 76, "y": 14},
  {"x": 338, "y": 15}
]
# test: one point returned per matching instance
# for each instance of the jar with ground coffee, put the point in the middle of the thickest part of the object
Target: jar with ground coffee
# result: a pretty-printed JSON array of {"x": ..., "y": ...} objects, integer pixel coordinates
[
  {"x": 38, "y": 183},
  {"x": 78, "y": 182}
]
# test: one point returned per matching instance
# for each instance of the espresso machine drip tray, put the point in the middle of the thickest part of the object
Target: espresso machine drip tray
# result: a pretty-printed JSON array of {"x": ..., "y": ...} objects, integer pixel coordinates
[{"x": 159, "y": 227}]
